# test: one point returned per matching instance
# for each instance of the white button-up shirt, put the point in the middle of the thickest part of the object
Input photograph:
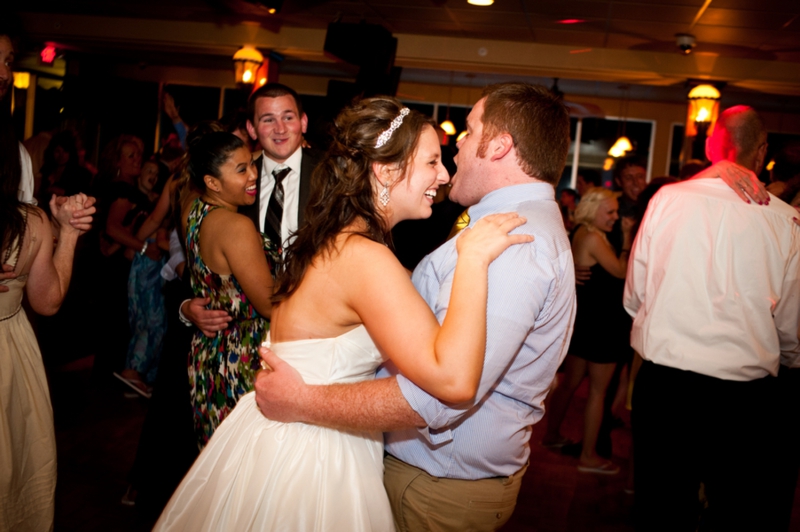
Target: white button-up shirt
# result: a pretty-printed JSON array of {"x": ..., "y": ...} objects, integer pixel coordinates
[
  {"x": 291, "y": 193},
  {"x": 713, "y": 285}
]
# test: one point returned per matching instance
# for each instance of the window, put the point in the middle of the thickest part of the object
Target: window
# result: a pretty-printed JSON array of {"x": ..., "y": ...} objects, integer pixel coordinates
[{"x": 596, "y": 136}]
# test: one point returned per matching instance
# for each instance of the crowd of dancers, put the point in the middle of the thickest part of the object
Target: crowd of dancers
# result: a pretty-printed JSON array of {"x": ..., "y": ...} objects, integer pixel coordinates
[{"x": 250, "y": 291}]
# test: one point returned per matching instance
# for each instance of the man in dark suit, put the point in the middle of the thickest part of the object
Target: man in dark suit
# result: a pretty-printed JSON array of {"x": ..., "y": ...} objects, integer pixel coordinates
[{"x": 277, "y": 121}]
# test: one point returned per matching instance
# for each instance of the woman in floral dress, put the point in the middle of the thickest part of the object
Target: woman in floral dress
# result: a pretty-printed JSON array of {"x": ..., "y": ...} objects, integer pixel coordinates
[{"x": 231, "y": 263}]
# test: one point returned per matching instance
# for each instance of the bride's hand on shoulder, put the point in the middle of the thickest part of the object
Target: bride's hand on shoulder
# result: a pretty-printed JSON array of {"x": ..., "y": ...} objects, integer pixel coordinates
[{"x": 489, "y": 237}]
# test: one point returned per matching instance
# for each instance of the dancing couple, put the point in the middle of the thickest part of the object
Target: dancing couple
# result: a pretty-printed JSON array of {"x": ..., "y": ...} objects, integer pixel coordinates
[{"x": 468, "y": 347}]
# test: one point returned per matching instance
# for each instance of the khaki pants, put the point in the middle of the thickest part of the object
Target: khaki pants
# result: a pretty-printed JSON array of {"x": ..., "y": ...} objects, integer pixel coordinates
[{"x": 421, "y": 502}]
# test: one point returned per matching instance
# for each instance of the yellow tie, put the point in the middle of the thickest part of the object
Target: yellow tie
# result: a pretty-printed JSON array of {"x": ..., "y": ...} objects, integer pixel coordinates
[{"x": 461, "y": 223}]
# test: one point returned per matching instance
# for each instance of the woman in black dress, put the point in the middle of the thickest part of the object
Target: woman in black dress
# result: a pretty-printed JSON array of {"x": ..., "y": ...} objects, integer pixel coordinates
[{"x": 601, "y": 337}]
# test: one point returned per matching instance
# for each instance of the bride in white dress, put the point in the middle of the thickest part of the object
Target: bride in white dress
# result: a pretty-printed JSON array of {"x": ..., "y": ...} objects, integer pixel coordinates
[{"x": 342, "y": 306}]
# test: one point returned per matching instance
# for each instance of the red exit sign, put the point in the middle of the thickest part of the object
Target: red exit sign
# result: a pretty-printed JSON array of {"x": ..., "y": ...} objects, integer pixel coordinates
[{"x": 48, "y": 54}]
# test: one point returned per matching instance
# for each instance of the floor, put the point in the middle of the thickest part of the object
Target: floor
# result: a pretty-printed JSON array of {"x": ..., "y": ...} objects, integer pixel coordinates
[{"x": 97, "y": 432}]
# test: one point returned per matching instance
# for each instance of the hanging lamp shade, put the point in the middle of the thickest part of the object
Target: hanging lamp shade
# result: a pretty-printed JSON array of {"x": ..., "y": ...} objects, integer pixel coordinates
[
  {"x": 461, "y": 135},
  {"x": 704, "y": 91},
  {"x": 703, "y": 109},
  {"x": 480, "y": 2},
  {"x": 621, "y": 147},
  {"x": 448, "y": 127},
  {"x": 246, "y": 61}
]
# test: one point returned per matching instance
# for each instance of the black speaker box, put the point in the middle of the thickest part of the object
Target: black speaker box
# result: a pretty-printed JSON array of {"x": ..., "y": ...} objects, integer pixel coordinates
[{"x": 366, "y": 45}]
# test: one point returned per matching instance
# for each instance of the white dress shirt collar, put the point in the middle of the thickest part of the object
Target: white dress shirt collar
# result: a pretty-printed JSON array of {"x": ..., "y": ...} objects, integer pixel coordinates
[
  {"x": 291, "y": 187},
  {"x": 294, "y": 161}
]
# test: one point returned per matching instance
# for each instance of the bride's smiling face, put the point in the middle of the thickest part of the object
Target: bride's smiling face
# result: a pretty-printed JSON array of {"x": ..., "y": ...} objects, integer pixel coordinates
[{"x": 411, "y": 196}]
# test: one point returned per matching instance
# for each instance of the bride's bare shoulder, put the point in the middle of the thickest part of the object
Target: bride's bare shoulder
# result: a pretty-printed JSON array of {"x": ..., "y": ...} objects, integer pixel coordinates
[
  {"x": 356, "y": 258},
  {"x": 356, "y": 247}
]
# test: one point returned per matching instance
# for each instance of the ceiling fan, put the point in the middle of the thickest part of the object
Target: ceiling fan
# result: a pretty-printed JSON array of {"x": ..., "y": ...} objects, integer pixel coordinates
[{"x": 577, "y": 110}]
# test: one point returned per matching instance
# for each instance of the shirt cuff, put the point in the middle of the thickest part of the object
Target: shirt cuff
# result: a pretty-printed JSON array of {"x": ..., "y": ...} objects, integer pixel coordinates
[
  {"x": 428, "y": 408},
  {"x": 181, "y": 317}
]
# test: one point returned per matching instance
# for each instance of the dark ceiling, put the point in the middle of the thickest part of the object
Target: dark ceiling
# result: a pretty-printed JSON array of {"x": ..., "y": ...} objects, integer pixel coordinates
[{"x": 763, "y": 29}]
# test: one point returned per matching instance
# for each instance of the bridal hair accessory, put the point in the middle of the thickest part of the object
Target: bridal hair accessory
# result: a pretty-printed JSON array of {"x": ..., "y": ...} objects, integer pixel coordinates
[
  {"x": 384, "y": 195},
  {"x": 386, "y": 135}
]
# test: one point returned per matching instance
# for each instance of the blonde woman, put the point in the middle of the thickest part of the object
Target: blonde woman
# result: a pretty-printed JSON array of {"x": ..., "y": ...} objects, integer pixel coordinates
[{"x": 602, "y": 327}]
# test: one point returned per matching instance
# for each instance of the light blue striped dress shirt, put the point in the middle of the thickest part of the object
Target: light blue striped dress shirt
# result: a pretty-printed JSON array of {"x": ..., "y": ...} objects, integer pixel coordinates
[{"x": 531, "y": 309}]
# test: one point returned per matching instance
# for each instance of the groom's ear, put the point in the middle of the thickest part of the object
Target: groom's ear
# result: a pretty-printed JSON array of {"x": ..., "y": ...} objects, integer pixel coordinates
[{"x": 500, "y": 146}]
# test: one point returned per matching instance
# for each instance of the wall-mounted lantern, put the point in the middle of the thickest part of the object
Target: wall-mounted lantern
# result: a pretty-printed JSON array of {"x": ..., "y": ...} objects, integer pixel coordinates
[
  {"x": 701, "y": 115},
  {"x": 247, "y": 61},
  {"x": 22, "y": 80}
]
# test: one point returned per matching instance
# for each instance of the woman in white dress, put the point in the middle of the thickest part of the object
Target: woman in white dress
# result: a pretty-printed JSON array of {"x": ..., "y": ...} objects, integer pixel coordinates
[{"x": 343, "y": 305}]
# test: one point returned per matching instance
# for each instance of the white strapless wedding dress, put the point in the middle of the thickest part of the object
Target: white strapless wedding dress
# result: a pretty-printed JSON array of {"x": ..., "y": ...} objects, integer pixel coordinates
[{"x": 262, "y": 475}]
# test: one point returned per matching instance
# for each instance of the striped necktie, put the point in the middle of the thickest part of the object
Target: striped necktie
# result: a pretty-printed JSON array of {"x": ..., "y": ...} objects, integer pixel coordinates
[{"x": 272, "y": 221}]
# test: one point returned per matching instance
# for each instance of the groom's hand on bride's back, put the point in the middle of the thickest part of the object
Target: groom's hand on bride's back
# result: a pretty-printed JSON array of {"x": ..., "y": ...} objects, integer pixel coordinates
[{"x": 280, "y": 389}]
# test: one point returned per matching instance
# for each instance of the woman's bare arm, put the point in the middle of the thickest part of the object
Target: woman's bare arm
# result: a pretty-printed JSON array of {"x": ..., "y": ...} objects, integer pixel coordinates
[
  {"x": 50, "y": 272},
  {"x": 445, "y": 361},
  {"x": 118, "y": 232},
  {"x": 234, "y": 246},
  {"x": 156, "y": 218},
  {"x": 601, "y": 251}
]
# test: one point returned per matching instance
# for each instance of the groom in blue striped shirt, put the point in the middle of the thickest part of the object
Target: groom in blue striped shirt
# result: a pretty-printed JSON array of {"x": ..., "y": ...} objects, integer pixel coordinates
[{"x": 459, "y": 467}]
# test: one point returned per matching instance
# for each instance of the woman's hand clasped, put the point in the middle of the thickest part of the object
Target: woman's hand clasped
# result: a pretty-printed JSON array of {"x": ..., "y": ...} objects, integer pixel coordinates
[
  {"x": 489, "y": 237},
  {"x": 73, "y": 213},
  {"x": 627, "y": 224}
]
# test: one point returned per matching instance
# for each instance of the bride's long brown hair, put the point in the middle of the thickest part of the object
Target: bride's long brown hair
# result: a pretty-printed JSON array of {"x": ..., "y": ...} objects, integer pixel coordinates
[{"x": 342, "y": 186}]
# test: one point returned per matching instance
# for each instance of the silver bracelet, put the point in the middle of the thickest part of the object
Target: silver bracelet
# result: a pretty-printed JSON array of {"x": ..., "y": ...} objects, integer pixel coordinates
[{"x": 144, "y": 248}]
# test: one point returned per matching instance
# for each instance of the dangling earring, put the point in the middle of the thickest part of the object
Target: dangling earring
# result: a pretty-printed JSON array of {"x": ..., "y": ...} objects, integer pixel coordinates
[{"x": 384, "y": 195}]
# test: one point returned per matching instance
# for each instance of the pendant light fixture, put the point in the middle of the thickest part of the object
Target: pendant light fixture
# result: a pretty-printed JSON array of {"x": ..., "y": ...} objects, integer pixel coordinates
[
  {"x": 623, "y": 144},
  {"x": 620, "y": 147},
  {"x": 447, "y": 125}
]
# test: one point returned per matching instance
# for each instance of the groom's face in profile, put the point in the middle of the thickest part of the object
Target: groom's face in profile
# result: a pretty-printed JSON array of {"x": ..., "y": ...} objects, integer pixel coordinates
[{"x": 470, "y": 174}]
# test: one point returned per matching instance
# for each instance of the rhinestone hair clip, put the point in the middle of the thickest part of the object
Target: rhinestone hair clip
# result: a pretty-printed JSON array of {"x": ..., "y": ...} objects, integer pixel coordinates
[{"x": 386, "y": 135}]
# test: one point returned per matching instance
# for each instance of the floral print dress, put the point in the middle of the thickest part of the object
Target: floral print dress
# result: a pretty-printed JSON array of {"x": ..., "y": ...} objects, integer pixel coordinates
[{"x": 221, "y": 369}]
